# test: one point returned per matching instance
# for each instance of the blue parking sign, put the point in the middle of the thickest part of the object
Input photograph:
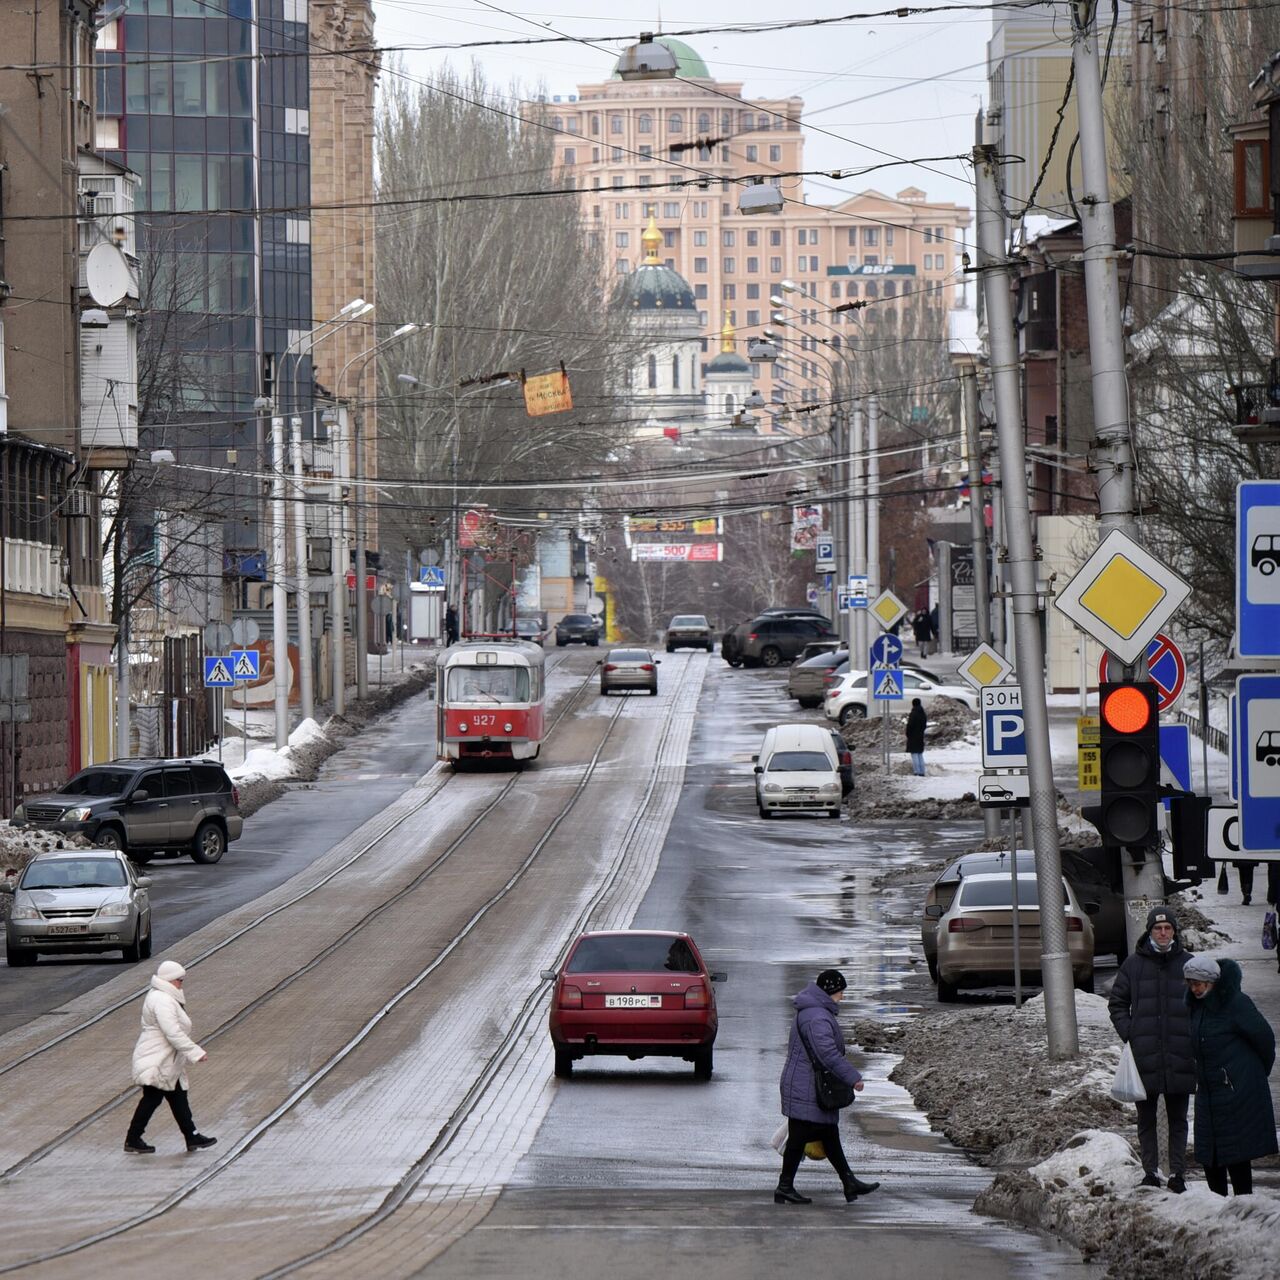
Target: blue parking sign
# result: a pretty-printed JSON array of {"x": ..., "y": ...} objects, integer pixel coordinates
[{"x": 1004, "y": 732}]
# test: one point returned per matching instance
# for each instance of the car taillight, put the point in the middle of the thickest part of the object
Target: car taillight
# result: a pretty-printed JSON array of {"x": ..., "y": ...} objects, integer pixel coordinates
[
  {"x": 846, "y": 757},
  {"x": 966, "y": 924},
  {"x": 753, "y": 636},
  {"x": 570, "y": 998},
  {"x": 609, "y": 666},
  {"x": 833, "y": 693},
  {"x": 646, "y": 666},
  {"x": 235, "y": 795},
  {"x": 695, "y": 998},
  {"x": 1075, "y": 924}
]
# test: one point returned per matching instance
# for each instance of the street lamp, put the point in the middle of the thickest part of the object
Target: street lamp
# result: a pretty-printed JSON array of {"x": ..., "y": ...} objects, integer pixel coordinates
[{"x": 648, "y": 60}]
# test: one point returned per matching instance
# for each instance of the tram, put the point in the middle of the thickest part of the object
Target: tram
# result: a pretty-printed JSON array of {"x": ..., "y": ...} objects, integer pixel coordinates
[{"x": 490, "y": 697}]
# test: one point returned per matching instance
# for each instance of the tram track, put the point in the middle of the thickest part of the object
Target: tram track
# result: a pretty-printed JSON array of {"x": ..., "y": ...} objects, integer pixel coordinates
[{"x": 305, "y": 1087}]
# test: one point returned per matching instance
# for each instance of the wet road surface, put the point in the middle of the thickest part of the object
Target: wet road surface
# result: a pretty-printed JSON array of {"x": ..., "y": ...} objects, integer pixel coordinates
[{"x": 638, "y": 1169}]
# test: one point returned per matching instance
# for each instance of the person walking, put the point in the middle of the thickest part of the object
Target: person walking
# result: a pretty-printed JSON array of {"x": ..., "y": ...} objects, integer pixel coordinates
[
  {"x": 920, "y": 629},
  {"x": 816, "y": 1041},
  {"x": 1149, "y": 1012},
  {"x": 1235, "y": 1050},
  {"x": 451, "y": 625},
  {"x": 917, "y": 722},
  {"x": 160, "y": 1060}
]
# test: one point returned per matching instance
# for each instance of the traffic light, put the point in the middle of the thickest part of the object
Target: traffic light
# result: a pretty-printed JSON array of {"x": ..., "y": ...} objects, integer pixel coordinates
[{"x": 1129, "y": 747}]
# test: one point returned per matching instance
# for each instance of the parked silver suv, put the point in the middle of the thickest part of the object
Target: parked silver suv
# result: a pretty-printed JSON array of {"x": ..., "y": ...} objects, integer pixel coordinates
[{"x": 78, "y": 900}]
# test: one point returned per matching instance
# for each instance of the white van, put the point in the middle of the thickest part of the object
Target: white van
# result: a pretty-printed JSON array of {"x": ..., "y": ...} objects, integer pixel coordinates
[{"x": 798, "y": 771}]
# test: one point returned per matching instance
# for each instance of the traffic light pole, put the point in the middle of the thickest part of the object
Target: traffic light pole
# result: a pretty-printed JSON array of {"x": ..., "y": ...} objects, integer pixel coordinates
[
  {"x": 1055, "y": 961},
  {"x": 1112, "y": 458}
]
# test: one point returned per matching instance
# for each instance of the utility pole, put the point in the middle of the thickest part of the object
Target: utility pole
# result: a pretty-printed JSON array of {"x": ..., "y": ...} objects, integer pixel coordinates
[
  {"x": 1112, "y": 459},
  {"x": 858, "y": 651},
  {"x": 302, "y": 580},
  {"x": 1055, "y": 962},
  {"x": 279, "y": 596},
  {"x": 338, "y": 560},
  {"x": 873, "y": 500},
  {"x": 362, "y": 587}
]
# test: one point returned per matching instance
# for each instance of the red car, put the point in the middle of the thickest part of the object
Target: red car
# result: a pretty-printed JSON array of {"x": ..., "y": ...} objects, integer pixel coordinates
[{"x": 633, "y": 993}]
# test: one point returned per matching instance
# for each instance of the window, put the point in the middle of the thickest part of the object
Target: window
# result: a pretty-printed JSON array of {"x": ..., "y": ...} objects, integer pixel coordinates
[
  {"x": 762, "y": 122},
  {"x": 622, "y": 266},
  {"x": 753, "y": 239},
  {"x": 670, "y": 209},
  {"x": 928, "y": 235},
  {"x": 873, "y": 290},
  {"x": 649, "y": 209},
  {"x": 615, "y": 124},
  {"x": 753, "y": 266},
  {"x": 871, "y": 259},
  {"x": 888, "y": 237},
  {"x": 644, "y": 124},
  {"x": 729, "y": 292},
  {"x": 617, "y": 180},
  {"x": 177, "y": 782},
  {"x": 704, "y": 122},
  {"x": 595, "y": 124},
  {"x": 675, "y": 122},
  {"x": 557, "y": 124},
  {"x": 702, "y": 318},
  {"x": 753, "y": 292},
  {"x": 890, "y": 289},
  {"x": 575, "y": 125},
  {"x": 775, "y": 154},
  {"x": 615, "y": 155},
  {"x": 753, "y": 154},
  {"x": 675, "y": 372},
  {"x": 646, "y": 151},
  {"x": 813, "y": 265},
  {"x": 938, "y": 234},
  {"x": 595, "y": 155},
  {"x": 646, "y": 180},
  {"x": 802, "y": 236},
  {"x": 106, "y": 134},
  {"x": 729, "y": 403},
  {"x": 727, "y": 239},
  {"x": 775, "y": 237},
  {"x": 1252, "y": 178},
  {"x": 775, "y": 266},
  {"x": 653, "y": 372},
  {"x": 700, "y": 209},
  {"x": 570, "y": 155},
  {"x": 871, "y": 237},
  {"x": 699, "y": 239},
  {"x": 622, "y": 210},
  {"x": 700, "y": 266},
  {"x": 729, "y": 266},
  {"x": 753, "y": 319},
  {"x": 669, "y": 239},
  {"x": 835, "y": 289},
  {"x": 622, "y": 240},
  {"x": 700, "y": 291}
]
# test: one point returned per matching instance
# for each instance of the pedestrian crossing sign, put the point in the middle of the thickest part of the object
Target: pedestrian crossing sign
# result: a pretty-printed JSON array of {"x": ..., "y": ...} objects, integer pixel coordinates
[
  {"x": 888, "y": 684},
  {"x": 245, "y": 664},
  {"x": 217, "y": 672}
]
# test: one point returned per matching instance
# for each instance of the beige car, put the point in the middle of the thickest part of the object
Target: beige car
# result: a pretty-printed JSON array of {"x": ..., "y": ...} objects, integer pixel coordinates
[{"x": 975, "y": 935}]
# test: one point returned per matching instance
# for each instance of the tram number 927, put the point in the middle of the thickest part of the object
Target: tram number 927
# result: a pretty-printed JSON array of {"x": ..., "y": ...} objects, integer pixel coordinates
[{"x": 490, "y": 697}]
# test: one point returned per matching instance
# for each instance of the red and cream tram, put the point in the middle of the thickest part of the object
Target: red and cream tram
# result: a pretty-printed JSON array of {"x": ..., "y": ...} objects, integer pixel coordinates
[{"x": 490, "y": 696}]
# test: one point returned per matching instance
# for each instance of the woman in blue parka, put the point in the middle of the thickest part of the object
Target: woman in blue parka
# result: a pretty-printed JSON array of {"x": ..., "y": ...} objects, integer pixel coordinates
[
  {"x": 1235, "y": 1050},
  {"x": 815, "y": 1036}
]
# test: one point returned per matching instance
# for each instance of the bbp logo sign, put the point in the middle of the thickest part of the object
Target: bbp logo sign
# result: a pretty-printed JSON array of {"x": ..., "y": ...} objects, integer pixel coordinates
[{"x": 1004, "y": 733}]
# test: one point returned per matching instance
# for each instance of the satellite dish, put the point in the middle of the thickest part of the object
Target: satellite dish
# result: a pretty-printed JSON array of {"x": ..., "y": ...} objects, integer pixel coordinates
[{"x": 107, "y": 275}]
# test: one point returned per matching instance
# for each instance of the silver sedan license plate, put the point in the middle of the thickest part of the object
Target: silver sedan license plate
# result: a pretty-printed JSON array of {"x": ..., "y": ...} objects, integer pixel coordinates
[
  {"x": 633, "y": 1002},
  {"x": 69, "y": 928}
]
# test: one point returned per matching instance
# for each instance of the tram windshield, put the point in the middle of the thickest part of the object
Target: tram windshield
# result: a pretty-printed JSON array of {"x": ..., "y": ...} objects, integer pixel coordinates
[{"x": 488, "y": 684}]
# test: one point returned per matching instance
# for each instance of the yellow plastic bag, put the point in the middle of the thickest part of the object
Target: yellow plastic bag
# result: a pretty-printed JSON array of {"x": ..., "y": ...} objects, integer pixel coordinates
[{"x": 815, "y": 1151}]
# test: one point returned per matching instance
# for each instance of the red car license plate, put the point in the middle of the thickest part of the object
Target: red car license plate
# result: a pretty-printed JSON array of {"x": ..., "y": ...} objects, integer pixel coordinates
[{"x": 633, "y": 1002}]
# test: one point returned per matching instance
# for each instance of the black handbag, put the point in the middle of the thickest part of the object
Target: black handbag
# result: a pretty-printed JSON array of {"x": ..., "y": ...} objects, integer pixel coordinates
[{"x": 832, "y": 1092}]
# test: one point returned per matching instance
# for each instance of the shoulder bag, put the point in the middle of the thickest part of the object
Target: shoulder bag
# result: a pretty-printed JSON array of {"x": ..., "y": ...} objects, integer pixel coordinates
[{"x": 832, "y": 1092}]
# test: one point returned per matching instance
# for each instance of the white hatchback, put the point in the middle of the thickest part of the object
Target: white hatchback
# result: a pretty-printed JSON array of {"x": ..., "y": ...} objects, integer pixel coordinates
[
  {"x": 798, "y": 771},
  {"x": 848, "y": 696}
]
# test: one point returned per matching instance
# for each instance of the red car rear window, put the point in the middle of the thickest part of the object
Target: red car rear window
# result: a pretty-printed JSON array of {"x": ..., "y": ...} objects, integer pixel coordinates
[{"x": 643, "y": 953}]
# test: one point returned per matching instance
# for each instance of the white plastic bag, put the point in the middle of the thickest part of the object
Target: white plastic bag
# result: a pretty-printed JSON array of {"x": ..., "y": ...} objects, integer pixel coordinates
[
  {"x": 1128, "y": 1086},
  {"x": 779, "y": 1139}
]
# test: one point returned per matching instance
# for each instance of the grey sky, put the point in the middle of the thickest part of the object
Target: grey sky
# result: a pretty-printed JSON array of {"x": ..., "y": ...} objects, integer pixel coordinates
[{"x": 906, "y": 86}]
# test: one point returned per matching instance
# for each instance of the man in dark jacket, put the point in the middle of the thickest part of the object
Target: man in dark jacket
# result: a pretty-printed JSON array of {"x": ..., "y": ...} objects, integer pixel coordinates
[
  {"x": 916, "y": 724},
  {"x": 1149, "y": 1012}
]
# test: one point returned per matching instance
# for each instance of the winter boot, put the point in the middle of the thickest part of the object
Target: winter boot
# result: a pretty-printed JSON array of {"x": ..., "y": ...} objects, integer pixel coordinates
[
  {"x": 138, "y": 1147},
  {"x": 789, "y": 1195},
  {"x": 198, "y": 1142}
]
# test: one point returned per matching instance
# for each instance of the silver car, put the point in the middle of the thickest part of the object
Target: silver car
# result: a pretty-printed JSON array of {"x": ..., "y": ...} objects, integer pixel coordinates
[
  {"x": 78, "y": 900},
  {"x": 629, "y": 669}
]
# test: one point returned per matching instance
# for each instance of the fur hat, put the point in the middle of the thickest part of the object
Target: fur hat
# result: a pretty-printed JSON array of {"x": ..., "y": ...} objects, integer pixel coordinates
[
  {"x": 1201, "y": 969},
  {"x": 169, "y": 970}
]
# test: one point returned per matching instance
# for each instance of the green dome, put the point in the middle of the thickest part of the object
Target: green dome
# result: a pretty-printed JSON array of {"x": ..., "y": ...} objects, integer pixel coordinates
[
  {"x": 653, "y": 286},
  {"x": 689, "y": 63},
  {"x": 729, "y": 362}
]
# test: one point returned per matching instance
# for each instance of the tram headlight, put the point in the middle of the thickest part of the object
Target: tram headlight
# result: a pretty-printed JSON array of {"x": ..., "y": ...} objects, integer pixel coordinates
[
  {"x": 507, "y": 727},
  {"x": 462, "y": 728}
]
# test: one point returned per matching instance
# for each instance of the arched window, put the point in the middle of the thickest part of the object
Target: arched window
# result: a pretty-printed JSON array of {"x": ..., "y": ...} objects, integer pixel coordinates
[
  {"x": 745, "y": 122},
  {"x": 653, "y": 373},
  {"x": 704, "y": 122},
  {"x": 557, "y": 123},
  {"x": 675, "y": 372},
  {"x": 728, "y": 405},
  {"x": 762, "y": 122},
  {"x": 645, "y": 124},
  {"x": 693, "y": 373},
  {"x": 675, "y": 122}
]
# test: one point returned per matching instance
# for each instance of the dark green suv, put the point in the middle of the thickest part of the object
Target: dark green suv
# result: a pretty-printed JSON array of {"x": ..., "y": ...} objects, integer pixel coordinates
[{"x": 146, "y": 808}]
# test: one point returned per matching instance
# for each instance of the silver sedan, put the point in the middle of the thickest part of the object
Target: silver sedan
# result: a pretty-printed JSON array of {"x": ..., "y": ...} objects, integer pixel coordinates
[{"x": 629, "y": 669}]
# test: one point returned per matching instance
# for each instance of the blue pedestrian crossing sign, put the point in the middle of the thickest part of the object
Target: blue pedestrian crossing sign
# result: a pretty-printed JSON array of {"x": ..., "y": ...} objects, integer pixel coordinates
[
  {"x": 431, "y": 576},
  {"x": 244, "y": 664},
  {"x": 217, "y": 672},
  {"x": 886, "y": 684},
  {"x": 886, "y": 650}
]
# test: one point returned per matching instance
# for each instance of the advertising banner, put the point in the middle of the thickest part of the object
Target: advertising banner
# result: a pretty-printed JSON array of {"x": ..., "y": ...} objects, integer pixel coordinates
[
  {"x": 806, "y": 527},
  {"x": 677, "y": 552},
  {"x": 547, "y": 393}
]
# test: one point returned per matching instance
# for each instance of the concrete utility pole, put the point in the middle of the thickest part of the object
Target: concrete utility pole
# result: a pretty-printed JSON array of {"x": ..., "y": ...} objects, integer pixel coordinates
[
  {"x": 873, "y": 502},
  {"x": 858, "y": 650},
  {"x": 1055, "y": 962},
  {"x": 302, "y": 581},
  {"x": 338, "y": 560},
  {"x": 279, "y": 594},
  {"x": 1112, "y": 460},
  {"x": 362, "y": 587}
]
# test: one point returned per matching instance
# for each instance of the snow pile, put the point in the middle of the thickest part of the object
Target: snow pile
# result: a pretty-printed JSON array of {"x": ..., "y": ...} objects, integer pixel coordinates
[{"x": 18, "y": 845}]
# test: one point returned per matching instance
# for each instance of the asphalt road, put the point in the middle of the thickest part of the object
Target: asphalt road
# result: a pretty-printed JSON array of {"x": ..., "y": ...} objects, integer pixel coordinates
[
  {"x": 639, "y": 1170},
  {"x": 281, "y": 839}
]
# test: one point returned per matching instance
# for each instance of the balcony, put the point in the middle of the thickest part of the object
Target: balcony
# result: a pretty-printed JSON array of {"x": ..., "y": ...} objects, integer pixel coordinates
[{"x": 34, "y": 569}]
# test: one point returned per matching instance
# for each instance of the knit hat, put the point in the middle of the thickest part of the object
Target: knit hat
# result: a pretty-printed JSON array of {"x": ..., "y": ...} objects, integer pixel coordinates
[
  {"x": 1161, "y": 915},
  {"x": 831, "y": 981},
  {"x": 170, "y": 970},
  {"x": 1201, "y": 969}
]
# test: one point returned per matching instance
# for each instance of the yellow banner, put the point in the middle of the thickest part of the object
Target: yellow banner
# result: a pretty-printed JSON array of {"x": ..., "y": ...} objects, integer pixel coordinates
[{"x": 547, "y": 393}]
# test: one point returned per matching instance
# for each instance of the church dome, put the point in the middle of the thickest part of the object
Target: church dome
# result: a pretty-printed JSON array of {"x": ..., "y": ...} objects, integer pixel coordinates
[
  {"x": 689, "y": 64},
  {"x": 728, "y": 361},
  {"x": 653, "y": 286}
]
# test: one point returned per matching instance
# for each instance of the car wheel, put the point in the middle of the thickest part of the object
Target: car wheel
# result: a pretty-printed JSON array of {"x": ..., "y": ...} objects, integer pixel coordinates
[
  {"x": 770, "y": 656},
  {"x": 210, "y": 844},
  {"x": 110, "y": 838},
  {"x": 946, "y": 991},
  {"x": 764, "y": 813},
  {"x": 144, "y": 947},
  {"x": 654, "y": 691},
  {"x": 564, "y": 1064},
  {"x": 19, "y": 959},
  {"x": 809, "y": 703},
  {"x": 932, "y": 964},
  {"x": 710, "y": 647},
  {"x": 560, "y": 644},
  {"x": 1085, "y": 984},
  {"x": 854, "y": 711},
  {"x": 671, "y": 648},
  {"x": 704, "y": 1063},
  {"x": 834, "y": 813},
  {"x": 735, "y": 662},
  {"x": 132, "y": 954},
  {"x": 595, "y": 644}
]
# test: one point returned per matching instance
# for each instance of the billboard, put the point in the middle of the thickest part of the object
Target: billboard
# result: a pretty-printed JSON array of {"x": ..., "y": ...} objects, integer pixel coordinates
[
  {"x": 806, "y": 525},
  {"x": 677, "y": 552}
]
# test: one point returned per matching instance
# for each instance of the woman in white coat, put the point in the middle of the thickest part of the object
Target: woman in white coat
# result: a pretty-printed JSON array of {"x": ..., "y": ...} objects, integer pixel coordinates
[{"x": 160, "y": 1060}]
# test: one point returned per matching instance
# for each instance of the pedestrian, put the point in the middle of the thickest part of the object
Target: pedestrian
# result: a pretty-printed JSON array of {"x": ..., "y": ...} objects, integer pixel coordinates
[
  {"x": 1273, "y": 895},
  {"x": 1149, "y": 1012},
  {"x": 1235, "y": 1050},
  {"x": 917, "y": 721},
  {"x": 451, "y": 625},
  {"x": 920, "y": 629},
  {"x": 1245, "y": 870},
  {"x": 935, "y": 633},
  {"x": 816, "y": 1038},
  {"x": 160, "y": 1060}
]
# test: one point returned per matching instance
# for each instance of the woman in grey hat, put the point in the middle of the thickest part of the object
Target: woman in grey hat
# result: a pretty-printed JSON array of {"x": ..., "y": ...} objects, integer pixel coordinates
[{"x": 1235, "y": 1050}]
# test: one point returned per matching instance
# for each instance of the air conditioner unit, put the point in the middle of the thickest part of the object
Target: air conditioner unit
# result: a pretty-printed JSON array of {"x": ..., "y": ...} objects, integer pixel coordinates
[{"x": 79, "y": 504}]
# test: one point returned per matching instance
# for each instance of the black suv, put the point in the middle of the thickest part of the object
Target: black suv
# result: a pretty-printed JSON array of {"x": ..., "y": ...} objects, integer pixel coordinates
[
  {"x": 772, "y": 641},
  {"x": 145, "y": 808},
  {"x": 577, "y": 628}
]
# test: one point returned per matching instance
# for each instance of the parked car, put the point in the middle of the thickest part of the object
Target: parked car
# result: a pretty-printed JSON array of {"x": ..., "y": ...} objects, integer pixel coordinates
[
  {"x": 629, "y": 669},
  {"x": 689, "y": 631},
  {"x": 815, "y": 647},
  {"x": 577, "y": 628},
  {"x": 533, "y": 629},
  {"x": 78, "y": 900},
  {"x": 845, "y": 756},
  {"x": 633, "y": 993},
  {"x": 731, "y": 641},
  {"x": 144, "y": 808},
  {"x": 773, "y": 641},
  {"x": 848, "y": 696},
  {"x": 975, "y": 934},
  {"x": 805, "y": 679},
  {"x": 798, "y": 771},
  {"x": 1086, "y": 871}
]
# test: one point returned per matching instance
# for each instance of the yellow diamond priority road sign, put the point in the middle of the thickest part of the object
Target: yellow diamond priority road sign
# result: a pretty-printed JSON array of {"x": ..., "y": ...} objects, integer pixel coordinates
[
  {"x": 887, "y": 609},
  {"x": 1122, "y": 595},
  {"x": 985, "y": 666}
]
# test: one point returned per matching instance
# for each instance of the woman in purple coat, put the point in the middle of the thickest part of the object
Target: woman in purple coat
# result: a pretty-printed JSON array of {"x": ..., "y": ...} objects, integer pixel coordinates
[{"x": 815, "y": 1036}]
